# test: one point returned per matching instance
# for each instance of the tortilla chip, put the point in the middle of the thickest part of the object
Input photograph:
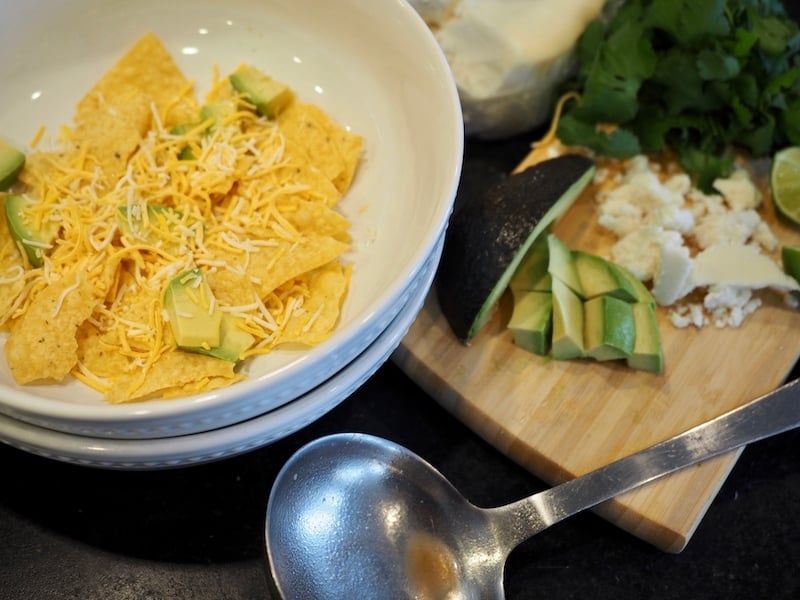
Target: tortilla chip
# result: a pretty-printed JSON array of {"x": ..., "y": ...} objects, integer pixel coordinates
[
  {"x": 112, "y": 128},
  {"x": 13, "y": 264},
  {"x": 319, "y": 218},
  {"x": 115, "y": 114},
  {"x": 148, "y": 67},
  {"x": 97, "y": 352},
  {"x": 272, "y": 266},
  {"x": 42, "y": 342},
  {"x": 172, "y": 369},
  {"x": 320, "y": 313},
  {"x": 334, "y": 150}
]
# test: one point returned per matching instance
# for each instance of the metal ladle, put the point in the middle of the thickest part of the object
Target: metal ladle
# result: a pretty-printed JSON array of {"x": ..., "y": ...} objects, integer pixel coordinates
[{"x": 357, "y": 517}]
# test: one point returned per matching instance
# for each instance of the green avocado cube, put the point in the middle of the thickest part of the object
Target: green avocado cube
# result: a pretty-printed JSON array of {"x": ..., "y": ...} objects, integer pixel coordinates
[{"x": 609, "y": 328}]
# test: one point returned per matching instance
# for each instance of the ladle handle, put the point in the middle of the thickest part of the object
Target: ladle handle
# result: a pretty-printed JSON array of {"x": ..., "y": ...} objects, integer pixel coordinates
[{"x": 768, "y": 415}]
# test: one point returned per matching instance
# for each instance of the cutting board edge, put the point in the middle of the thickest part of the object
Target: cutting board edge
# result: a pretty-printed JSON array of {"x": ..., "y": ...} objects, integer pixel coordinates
[{"x": 618, "y": 511}]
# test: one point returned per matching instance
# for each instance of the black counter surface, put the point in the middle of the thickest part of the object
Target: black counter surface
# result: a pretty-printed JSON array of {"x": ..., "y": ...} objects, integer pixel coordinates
[{"x": 72, "y": 532}]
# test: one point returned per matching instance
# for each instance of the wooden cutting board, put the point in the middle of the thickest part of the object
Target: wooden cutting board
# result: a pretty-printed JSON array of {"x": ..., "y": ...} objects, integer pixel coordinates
[{"x": 561, "y": 419}]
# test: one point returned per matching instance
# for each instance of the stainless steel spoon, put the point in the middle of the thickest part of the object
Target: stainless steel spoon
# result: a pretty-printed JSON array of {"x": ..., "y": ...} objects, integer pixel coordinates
[{"x": 357, "y": 517}]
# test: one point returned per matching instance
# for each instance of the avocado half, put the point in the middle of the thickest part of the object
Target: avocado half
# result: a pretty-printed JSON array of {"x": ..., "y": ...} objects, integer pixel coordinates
[{"x": 487, "y": 238}]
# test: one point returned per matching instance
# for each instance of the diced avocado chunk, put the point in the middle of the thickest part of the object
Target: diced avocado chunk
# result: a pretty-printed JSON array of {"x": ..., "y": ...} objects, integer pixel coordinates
[
  {"x": 194, "y": 317},
  {"x": 532, "y": 274},
  {"x": 181, "y": 129},
  {"x": 567, "y": 322},
  {"x": 218, "y": 111},
  {"x": 599, "y": 278},
  {"x": 561, "y": 264},
  {"x": 232, "y": 344},
  {"x": 34, "y": 239},
  {"x": 640, "y": 291},
  {"x": 154, "y": 226},
  {"x": 198, "y": 323},
  {"x": 609, "y": 328},
  {"x": 648, "y": 353},
  {"x": 11, "y": 163},
  {"x": 531, "y": 322},
  {"x": 270, "y": 97}
]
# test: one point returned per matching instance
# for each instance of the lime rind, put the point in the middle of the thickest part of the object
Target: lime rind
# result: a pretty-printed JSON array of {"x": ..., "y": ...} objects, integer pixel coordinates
[
  {"x": 784, "y": 183},
  {"x": 790, "y": 258}
]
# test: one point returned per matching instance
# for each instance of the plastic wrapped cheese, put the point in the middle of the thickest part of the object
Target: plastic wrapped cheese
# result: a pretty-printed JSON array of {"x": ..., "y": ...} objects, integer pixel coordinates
[{"x": 508, "y": 56}]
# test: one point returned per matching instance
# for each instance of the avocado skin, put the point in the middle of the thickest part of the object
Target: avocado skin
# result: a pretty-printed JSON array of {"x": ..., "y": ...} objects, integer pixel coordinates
[{"x": 485, "y": 235}]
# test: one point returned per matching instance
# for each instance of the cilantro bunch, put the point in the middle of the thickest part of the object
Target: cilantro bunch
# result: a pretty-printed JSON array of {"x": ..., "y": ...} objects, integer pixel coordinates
[{"x": 700, "y": 77}]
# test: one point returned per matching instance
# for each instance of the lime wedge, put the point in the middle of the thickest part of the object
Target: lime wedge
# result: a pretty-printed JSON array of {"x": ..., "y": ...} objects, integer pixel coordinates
[
  {"x": 790, "y": 257},
  {"x": 784, "y": 182}
]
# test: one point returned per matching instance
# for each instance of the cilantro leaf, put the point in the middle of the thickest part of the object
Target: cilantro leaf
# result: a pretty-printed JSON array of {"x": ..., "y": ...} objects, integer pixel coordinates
[{"x": 698, "y": 76}]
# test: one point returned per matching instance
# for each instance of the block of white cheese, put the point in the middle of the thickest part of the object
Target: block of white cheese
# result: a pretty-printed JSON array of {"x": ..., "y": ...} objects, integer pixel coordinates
[{"x": 739, "y": 266}]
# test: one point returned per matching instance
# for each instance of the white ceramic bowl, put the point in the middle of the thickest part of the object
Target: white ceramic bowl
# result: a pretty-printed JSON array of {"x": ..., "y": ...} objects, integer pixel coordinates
[{"x": 372, "y": 64}]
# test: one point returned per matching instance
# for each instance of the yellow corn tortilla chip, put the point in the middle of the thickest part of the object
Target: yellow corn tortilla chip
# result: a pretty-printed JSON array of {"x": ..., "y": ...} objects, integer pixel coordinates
[
  {"x": 42, "y": 344},
  {"x": 274, "y": 265},
  {"x": 11, "y": 281},
  {"x": 112, "y": 128},
  {"x": 97, "y": 352},
  {"x": 115, "y": 114},
  {"x": 319, "y": 218},
  {"x": 334, "y": 150},
  {"x": 231, "y": 289},
  {"x": 320, "y": 313},
  {"x": 172, "y": 369},
  {"x": 300, "y": 168},
  {"x": 150, "y": 68}
]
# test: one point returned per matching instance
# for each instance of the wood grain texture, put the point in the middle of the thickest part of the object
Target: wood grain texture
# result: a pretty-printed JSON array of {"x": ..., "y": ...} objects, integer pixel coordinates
[{"x": 561, "y": 419}]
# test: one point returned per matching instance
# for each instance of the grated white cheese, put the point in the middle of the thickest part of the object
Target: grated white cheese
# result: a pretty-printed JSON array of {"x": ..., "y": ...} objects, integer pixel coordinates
[{"x": 681, "y": 239}]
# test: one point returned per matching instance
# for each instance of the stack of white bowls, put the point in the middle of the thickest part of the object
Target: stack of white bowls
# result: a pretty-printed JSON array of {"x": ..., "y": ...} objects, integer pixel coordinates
[{"x": 375, "y": 67}]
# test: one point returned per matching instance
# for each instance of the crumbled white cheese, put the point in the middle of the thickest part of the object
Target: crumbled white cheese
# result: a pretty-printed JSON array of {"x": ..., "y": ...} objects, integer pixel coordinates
[
  {"x": 681, "y": 239},
  {"x": 686, "y": 315},
  {"x": 640, "y": 250},
  {"x": 739, "y": 191},
  {"x": 728, "y": 305},
  {"x": 734, "y": 227}
]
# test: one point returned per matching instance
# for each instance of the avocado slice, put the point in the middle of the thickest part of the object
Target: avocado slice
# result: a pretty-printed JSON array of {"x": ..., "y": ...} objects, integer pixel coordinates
[
  {"x": 639, "y": 289},
  {"x": 199, "y": 325},
  {"x": 567, "y": 322},
  {"x": 609, "y": 328},
  {"x": 531, "y": 322},
  {"x": 34, "y": 241},
  {"x": 561, "y": 264},
  {"x": 132, "y": 222},
  {"x": 647, "y": 353},
  {"x": 270, "y": 97},
  {"x": 218, "y": 111},
  {"x": 11, "y": 163},
  {"x": 181, "y": 129},
  {"x": 194, "y": 317},
  {"x": 488, "y": 237},
  {"x": 598, "y": 277},
  {"x": 532, "y": 274},
  {"x": 233, "y": 341}
]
